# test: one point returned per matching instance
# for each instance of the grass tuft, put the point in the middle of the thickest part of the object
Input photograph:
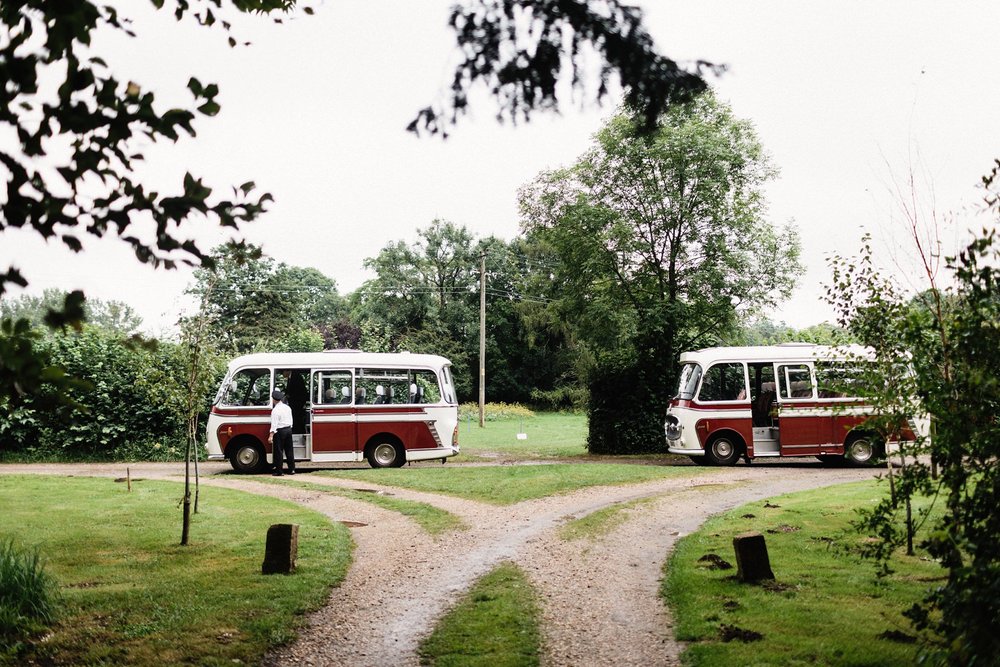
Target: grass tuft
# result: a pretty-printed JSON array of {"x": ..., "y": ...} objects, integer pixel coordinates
[
  {"x": 28, "y": 598},
  {"x": 600, "y": 522},
  {"x": 495, "y": 625}
]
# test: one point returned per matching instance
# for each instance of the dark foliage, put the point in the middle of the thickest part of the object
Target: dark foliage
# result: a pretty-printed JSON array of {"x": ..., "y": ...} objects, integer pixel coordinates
[{"x": 624, "y": 416}]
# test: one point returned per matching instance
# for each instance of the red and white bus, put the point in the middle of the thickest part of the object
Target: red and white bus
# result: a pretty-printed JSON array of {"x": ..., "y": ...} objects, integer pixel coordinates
[
  {"x": 736, "y": 402},
  {"x": 346, "y": 406}
]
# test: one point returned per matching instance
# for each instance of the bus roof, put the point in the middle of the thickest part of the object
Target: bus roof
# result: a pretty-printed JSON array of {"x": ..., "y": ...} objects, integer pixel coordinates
[
  {"x": 338, "y": 358},
  {"x": 783, "y": 352}
]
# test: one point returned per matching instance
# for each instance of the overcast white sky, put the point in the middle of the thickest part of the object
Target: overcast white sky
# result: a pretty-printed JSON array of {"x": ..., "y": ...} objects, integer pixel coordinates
[{"x": 843, "y": 94}]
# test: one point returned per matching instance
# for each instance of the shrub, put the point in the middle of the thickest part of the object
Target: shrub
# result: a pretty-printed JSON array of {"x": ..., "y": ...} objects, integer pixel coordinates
[
  {"x": 27, "y": 594},
  {"x": 561, "y": 398},
  {"x": 494, "y": 412}
]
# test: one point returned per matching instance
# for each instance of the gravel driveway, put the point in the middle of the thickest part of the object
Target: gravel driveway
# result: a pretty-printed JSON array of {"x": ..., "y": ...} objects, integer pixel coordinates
[{"x": 600, "y": 598}]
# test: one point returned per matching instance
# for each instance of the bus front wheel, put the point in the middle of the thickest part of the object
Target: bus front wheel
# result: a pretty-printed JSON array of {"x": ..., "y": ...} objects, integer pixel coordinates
[
  {"x": 723, "y": 451},
  {"x": 385, "y": 454},
  {"x": 248, "y": 458}
]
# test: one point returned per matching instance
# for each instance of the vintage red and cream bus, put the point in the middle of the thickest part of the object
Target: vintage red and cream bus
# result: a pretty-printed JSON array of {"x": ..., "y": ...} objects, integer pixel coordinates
[
  {"x": 388, "y": 409},
  {"x": 736, "y": 402}
]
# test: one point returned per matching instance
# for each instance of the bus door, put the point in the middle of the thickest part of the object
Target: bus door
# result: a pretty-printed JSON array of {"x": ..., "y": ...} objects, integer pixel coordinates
[
  {"x": 295, "y": 383},
  {"x": 334, "y": 424},
  {"x": 803, "y": 425}
]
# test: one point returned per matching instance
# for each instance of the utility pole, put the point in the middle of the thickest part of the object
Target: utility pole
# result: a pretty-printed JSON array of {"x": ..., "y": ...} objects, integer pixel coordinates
[{"x": 482, "y": 339}]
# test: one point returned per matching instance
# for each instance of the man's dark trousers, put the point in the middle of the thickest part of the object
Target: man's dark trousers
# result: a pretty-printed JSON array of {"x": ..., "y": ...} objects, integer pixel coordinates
[{"x": 282, "y": 446}]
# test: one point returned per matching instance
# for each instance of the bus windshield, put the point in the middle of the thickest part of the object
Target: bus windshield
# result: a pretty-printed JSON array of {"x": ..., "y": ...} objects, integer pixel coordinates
[{"x": 690, "y": 374}]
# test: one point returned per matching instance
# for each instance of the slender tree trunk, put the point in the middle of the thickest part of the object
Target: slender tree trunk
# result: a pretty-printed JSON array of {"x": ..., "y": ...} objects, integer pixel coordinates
[
  {"x": 186, "y": 529},
  {"x": 197, "y": 476}
]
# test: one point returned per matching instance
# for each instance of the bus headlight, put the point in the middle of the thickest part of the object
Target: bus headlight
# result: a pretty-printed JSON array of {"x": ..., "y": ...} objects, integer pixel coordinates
[{"x": 673, "y": 428}]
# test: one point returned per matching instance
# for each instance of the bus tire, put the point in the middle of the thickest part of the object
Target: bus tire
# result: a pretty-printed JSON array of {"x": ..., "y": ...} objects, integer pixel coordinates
[
  {"x": 723, "y": 450},
  {"x": 385, "y": 453},
  {"x": 700, "y": 460},
  {"x": 248, "y": 457},
  {"x": 862, "y": 450}
]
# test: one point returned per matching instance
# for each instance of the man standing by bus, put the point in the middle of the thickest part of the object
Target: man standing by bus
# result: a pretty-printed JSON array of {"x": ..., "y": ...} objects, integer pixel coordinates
[{"x": 280, "y": 437}]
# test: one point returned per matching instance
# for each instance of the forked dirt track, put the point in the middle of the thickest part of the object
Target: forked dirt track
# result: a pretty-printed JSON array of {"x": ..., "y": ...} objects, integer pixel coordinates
[{"x": 599, "y": 597}]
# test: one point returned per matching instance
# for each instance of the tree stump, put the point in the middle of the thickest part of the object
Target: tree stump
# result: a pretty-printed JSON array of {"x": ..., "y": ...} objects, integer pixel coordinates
[
  {"x": 751, "y": 558},
  {"x": 281, "y": 549}
]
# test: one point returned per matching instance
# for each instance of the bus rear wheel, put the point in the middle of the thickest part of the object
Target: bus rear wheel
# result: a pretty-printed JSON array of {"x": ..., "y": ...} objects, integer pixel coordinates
[
  {"x": 248, "y": 458},
  {"x": 385, "y": 454},
  {"x": 862, "y": 451},
  {"x": 723, "y": 451}
]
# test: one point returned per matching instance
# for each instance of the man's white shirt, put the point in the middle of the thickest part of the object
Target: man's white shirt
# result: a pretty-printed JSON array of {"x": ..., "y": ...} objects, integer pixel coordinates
[{"x": 281, "y": 416}]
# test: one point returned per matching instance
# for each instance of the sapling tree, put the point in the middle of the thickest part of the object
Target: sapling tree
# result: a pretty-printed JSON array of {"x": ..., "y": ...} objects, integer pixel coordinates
[{"x": 949, "y": 339}]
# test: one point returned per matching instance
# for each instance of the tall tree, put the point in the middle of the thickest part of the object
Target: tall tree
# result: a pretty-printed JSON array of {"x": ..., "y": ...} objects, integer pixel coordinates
[
  {"x": 425, "y": 295},
  {"x": 662, "y": 244}
]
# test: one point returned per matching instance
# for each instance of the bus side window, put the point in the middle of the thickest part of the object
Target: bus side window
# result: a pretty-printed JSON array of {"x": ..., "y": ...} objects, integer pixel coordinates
[
  {"x": 333, "y": 387},
  {"x": 249, "y": 387},
  {"x": 795, "y": 381},
  {"x": 723, "y": 382}
]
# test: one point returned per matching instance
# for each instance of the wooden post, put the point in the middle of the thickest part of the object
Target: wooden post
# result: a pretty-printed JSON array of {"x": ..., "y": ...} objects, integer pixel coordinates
[
  {"x": 128, "y": 478},
  {"x": 281, "y": 549},
  {"x": 751, "y": 558},
  {"x": 482, "y": 339}
]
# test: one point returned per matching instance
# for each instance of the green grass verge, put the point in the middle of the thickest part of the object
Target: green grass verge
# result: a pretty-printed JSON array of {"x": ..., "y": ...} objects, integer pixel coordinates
[
  {"x": 495, "y": 625},
  {"x": 550, "y": 435},
  {"x": 131, "y": 594},
  {"x": 826, "y": 607},
  {"x": 432, "y": 519},
  {"x": 505, "y": 485}
]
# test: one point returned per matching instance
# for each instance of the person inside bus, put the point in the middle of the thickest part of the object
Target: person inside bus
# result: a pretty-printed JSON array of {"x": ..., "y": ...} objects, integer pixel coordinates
[
  {"x": 380, "y": 394},
  {"x": 359, "y": 396},
  {"x": 296, "y": 396},
  {"x": 280, "y": 436},
  {"x": 345, "y": 393}
]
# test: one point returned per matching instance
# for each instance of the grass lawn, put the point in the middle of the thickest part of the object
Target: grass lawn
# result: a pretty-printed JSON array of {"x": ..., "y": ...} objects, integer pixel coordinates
[
  {"x": 826, "y": 607},
  {"x": 550, "y": 435},
  {"x": 495, "y": 625},
  {"x": 505, "y": 485},
  {"x": 432, "y": 519},
  {"x": 131, "y": 594}
]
